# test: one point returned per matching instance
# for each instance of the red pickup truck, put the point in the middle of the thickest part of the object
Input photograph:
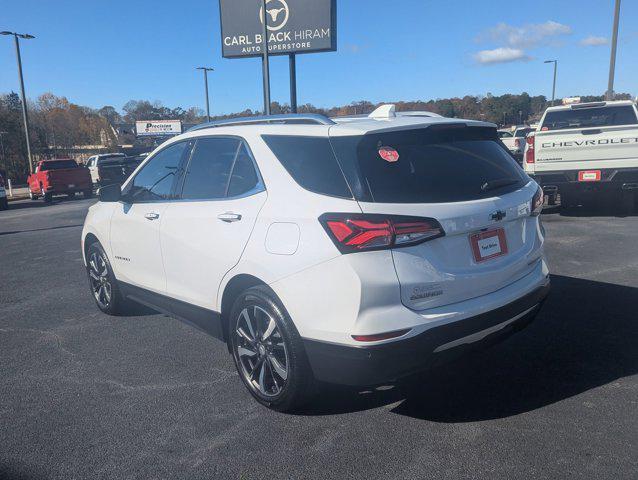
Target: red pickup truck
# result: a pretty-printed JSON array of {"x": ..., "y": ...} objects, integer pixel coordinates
[{"x": 59, "y": 177}]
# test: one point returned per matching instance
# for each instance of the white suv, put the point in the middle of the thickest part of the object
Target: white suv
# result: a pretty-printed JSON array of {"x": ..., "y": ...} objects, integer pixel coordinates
[{"x": 355, "y": 252}]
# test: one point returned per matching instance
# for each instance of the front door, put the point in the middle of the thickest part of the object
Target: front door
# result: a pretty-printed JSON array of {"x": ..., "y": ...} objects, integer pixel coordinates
[{"x": 135, "y": 225}]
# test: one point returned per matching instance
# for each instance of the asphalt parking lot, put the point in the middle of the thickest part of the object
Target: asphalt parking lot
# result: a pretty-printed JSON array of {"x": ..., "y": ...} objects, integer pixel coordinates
[{"x": 84, "y": 395}]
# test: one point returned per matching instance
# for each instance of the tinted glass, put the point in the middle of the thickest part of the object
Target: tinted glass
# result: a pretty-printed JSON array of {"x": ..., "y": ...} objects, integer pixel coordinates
[
  {"x": 433, "y": 165},
  {"x": 209, "y": 169},
  {"x": 311, "y": 163},
  {"x": 155, "y": 180},
  {"x": 58, "y": 165},
  {"x": 590, "y": 117},
  {"x": 244, "y": 177},
  {"x": 522, "y": 132}
]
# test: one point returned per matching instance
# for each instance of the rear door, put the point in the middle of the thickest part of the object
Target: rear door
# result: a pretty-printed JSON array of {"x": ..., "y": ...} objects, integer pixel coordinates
[
  {"x": 585, "y": 137},
  {"x": 466, "y": 180},
  {"x": 204, "y": 233},
  {"x": 135, "y": 225}
]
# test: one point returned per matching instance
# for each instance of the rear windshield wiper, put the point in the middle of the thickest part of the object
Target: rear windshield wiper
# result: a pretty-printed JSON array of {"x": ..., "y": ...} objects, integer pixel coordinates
[{"x": 498, "y": 183}]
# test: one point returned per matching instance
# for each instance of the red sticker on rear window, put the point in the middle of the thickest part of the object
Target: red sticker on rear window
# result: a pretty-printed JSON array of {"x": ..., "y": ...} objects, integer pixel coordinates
[{"x": 389, "y": 154}]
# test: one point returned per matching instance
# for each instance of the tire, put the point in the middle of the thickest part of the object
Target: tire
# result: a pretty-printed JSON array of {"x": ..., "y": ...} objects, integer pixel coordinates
[
  {"x": 70, "y": 196},
  {"x": 102, "y": 282},
  {"x": 87, "y": 193},
  {"x": 46, "y": 196},
  {"x": 269, "y": 353},
  {"x": 4, "y": 204}
]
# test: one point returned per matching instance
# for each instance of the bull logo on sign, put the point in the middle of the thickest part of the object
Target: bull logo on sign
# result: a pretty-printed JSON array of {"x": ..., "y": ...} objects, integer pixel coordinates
[{"x": 278, "y": 14}]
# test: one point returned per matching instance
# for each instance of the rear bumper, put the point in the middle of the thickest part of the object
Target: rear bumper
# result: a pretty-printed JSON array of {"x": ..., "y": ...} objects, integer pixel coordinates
[
  {"x": 373, "y": 365},
  {"x": 566, "y": 181}
]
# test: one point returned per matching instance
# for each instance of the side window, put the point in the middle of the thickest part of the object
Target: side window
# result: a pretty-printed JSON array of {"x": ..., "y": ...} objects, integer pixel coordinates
[
  {"x": 244, "y": 177},
  {"x": 155, "y": 180},
  {"x": 210, "y": 167},
  {"x": 311, "y": 162}
]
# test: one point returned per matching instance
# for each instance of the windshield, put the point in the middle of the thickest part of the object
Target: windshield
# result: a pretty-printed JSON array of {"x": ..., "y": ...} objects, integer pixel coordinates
[
  {"x": 430, "y": 165},
  {"x": 590, "y": 117},
  {"x": 57, "y": 165}
]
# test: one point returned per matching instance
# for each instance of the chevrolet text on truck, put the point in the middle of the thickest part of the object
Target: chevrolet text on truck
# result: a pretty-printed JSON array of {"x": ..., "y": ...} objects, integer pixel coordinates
[{"x": 586, "y": 152}]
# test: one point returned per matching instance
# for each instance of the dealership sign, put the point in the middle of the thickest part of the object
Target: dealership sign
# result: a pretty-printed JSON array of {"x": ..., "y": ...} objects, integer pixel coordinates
[
  {"x": 294, "y": 26},
  {"x": 158, "y": 127}
]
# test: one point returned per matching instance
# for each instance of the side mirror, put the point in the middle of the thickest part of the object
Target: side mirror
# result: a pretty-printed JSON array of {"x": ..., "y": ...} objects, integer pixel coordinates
[{"x": 110, "y": 193}]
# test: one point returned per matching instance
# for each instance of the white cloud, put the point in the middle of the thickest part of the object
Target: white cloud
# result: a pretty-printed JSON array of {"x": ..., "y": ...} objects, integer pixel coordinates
[
  {"x": 500, "y": 55},
  {"x": 525, "y": 36},
  {"x": 593, "y": 41}
]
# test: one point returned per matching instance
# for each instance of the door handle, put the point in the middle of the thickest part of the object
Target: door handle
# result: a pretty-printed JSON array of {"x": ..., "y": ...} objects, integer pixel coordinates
[
  {"x": 229, "y": 217},
  {"x": 151, "y": 216}
]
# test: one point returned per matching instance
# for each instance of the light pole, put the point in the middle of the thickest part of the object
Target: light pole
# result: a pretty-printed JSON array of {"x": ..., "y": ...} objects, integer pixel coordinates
[
  {"x": 206, "y": 70},
  {"x": 264, "y": 59},
  {"x": 612, "y": 60},
  {"x": 25, "y": 116},
  {"x": 555, "y": 62}
]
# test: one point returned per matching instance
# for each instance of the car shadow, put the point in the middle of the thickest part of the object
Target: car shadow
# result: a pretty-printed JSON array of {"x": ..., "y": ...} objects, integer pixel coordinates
[
  {"x": 39, "y": 203},
  {"x": 584, "y": 337},
  {"x": 590, "y": 211},
  {"x": 13, "y": 232}
]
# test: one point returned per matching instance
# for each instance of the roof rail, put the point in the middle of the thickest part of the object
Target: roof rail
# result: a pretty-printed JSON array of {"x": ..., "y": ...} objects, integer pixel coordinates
[{"x": 286, "y": 119}]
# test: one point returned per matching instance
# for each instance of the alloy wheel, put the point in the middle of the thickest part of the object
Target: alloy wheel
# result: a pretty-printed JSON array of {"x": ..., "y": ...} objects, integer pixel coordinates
[
  {"x": 261, "y": 351},
  {"x": 99, "y": 278}
]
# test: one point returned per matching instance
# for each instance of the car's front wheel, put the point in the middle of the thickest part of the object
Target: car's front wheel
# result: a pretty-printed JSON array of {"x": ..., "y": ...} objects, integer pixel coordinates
[
  {"x": 268, "y": 351},
  {"x": 104, "y": 286}
]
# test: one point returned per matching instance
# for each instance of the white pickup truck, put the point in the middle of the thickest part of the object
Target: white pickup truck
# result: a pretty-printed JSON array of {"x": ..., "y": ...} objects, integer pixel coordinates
[
  {"x": 586, "y": 152},
  {"x": 514, "y": 139}
]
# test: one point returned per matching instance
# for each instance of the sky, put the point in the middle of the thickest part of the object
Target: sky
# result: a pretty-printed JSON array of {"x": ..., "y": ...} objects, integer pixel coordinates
[{"x": 107, "y": 52}]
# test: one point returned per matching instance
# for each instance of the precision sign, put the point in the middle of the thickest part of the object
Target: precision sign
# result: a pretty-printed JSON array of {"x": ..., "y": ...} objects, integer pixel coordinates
[
  {"x": 154, "y": 128},
  {"x": 294, "y": 26}
]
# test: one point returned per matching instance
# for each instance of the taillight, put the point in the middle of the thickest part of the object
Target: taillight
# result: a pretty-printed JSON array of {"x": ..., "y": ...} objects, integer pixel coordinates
[
  {"x": 529, "y": 155},
  {"x": 356, "y": 232},
  {"x": 537, "y": 202}
]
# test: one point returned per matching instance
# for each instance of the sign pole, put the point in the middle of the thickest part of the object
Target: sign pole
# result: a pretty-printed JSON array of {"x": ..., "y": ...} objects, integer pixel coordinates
[
  {"x": 265, "y": 64},
  {"x": 293, "y": 82},
  {"x": 609, "y": 95}
]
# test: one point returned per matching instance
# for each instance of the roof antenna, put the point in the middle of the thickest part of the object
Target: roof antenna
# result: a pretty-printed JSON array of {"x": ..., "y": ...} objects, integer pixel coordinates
[{"x": 384, "y": 111}]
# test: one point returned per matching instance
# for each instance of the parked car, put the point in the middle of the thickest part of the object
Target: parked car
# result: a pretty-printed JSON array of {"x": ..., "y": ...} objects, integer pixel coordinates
[
  {"x": 94, "y": 163},
  {"x": 59, "y": 177},
  {"x": 587, "y": 153},
  {"x": 354, "y": 253},
  {"x": 4, "y": 202},
  {"x": 111, "y": 169},
  {"x": 514, "y": 139}
]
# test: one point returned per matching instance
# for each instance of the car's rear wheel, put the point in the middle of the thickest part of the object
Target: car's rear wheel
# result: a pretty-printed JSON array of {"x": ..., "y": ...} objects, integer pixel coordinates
[
  {"x": 102, "y": 281},
  {"x": 46, "y": 196},
  {"x": 268, "y": 351}
]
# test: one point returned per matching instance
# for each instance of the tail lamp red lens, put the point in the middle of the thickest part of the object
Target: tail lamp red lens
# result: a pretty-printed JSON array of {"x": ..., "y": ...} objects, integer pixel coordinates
[
  {"x": 352, "y": 232},
  {"x": 380, "y": 336},
  {"x": 529, "y": 154}
]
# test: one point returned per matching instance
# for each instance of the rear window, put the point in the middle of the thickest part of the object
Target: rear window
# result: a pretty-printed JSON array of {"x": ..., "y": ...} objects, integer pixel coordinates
[
  {"x": 429, "y": 165},
  {"x": 58, "y": 165},
  {"x": 310, "y": 161},
  {"x": 590, "y": 117},
  {"x": 522, "y": 132}
]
